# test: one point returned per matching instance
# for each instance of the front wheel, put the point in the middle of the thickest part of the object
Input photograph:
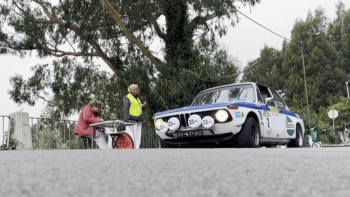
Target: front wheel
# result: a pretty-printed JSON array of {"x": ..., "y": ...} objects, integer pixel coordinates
[
  {"x": 249, "y": 136},
  {"x": 299, "y": 139}
]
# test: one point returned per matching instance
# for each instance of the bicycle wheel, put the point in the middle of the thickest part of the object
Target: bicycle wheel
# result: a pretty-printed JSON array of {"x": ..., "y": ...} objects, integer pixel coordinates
[{"x": 124, "y": 141}]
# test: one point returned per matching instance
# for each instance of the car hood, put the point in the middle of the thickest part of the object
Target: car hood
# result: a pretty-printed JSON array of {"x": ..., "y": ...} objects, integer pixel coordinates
[{"x": 192, "y": 107}]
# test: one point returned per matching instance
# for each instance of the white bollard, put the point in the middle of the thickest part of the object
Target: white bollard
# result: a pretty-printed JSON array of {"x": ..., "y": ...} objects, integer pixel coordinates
[{"x": 22, "y": 132}]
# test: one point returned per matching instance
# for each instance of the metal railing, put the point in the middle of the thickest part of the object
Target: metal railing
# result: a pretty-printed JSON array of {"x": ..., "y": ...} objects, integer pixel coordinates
[{"x": 50, "y": 133}]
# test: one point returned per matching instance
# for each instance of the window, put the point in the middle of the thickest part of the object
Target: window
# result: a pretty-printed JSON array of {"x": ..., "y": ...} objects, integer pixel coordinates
[
  {"x": 260, "y": 98},
  {"x": 279, "y": 102},
  {"x": 224, "y": 94}
]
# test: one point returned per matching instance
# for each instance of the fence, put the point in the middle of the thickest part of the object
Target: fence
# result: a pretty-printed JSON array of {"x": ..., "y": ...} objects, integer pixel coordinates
[{"x": 59, "y": 134}]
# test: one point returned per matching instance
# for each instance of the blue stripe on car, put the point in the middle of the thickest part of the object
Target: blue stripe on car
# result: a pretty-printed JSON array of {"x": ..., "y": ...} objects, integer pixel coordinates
[
  {"x": 237, "y": 103},
  {"x": 282, "y": 111},
  {"x": 290, "y": 113}
]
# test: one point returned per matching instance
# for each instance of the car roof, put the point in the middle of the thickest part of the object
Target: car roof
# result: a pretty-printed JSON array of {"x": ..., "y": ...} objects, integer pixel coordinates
[{"x": 243, "y": 83}]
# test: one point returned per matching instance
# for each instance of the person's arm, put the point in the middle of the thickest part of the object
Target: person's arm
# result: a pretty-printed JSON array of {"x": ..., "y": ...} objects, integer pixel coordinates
[
  {"x": 89, "y": 117},
  {"x": 126, "y": 108},
  {"x": 143, "y": 105}
]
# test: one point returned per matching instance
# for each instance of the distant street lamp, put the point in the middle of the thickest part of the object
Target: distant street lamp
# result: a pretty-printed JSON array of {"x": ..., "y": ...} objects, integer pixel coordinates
[
  {"x": 347, "y": 88},
  {"x": 302, "y": 56},
  {"x": 307, "y": 100}
]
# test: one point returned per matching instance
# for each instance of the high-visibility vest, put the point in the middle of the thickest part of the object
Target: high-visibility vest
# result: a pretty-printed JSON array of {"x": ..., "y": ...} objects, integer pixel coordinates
[{"x": 135, "y": 108}]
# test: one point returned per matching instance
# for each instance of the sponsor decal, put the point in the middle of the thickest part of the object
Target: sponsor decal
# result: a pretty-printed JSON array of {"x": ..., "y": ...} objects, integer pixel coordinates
[
  {"x": 260, "y": 115},
  {"x": 273, "y": 109},
  {"x": 269, "y": 130},
  {"x": 266, "y": 114},
  {"x": 290, "y": 126},
  {"x": 239, "y": 114},
  {"x": 290, "y": 132}
]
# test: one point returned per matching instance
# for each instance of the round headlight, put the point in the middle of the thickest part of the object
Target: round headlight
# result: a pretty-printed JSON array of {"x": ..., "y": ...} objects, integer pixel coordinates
[
  {"x": 194, "y": 121},
  {"x": 173, "y": 124},
  {"x": 163, "y": 127},
  {"x": 207, "y": 122},
  {"x": 157, "y": 123},
  {"x": 221, "y": 115}
]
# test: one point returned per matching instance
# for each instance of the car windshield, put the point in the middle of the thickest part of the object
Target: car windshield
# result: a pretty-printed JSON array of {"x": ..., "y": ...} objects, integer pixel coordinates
[{"x": 228, "y": 93}]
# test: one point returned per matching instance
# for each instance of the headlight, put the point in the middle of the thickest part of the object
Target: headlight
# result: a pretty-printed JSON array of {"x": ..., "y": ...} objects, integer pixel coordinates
[
  {"x": 173, "y": 124},
  {"x": 208, "y": 122},
  {"x": 194, "y": 121},
  {"x": 221, "y": 115},
  {"x": 157, "y": 123}
]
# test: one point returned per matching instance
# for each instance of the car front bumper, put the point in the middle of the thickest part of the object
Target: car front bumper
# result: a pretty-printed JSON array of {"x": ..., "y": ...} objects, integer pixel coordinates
[{"x": 199, "y": 139}]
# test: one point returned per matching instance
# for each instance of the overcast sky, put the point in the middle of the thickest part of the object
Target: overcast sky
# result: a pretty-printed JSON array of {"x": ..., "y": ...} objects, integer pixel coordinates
[{"x": 244, "y": 41}]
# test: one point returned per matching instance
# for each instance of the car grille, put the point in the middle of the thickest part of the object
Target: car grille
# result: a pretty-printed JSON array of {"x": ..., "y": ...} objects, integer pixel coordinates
[{"x": 183, "y": 119}]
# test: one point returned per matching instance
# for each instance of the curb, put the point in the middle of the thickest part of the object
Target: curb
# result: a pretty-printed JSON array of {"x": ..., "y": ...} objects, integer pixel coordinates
[{"x": 336, "y": 145}]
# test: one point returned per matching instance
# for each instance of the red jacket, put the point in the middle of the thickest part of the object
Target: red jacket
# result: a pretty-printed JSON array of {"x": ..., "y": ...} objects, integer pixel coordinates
[{"x": 86, "y": 117}]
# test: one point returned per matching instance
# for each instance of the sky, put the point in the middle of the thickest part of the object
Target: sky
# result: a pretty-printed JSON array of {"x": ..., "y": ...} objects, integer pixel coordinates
[{"x": 244, "y": 41}]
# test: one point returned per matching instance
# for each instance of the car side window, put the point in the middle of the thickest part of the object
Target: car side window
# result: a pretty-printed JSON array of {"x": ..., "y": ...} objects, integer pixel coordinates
[
  {"x": 260, "y": 99},
  {"x": 264, "y": 95},
  {"x": 279, "y": 102}
]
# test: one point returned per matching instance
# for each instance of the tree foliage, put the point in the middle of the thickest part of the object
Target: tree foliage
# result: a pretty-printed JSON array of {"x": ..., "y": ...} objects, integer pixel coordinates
[
  {"x": 324, "y": 79},
  {"x": 267, "y": 69},
  {"x": 119, "y": 33},
  {"x": 324, "y": 45}
]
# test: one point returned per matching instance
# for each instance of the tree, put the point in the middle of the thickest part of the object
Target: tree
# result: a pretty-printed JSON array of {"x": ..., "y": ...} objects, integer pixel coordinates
[
  {"x": 345, "y": 40},
  {"x": 267, "y": 69},
  {"x": 324, "y": 77},
  {"x": 336, "y": 37},
  {"x": 119, "y": 32}
]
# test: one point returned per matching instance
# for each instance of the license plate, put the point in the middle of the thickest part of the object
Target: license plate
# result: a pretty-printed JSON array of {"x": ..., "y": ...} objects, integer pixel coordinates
[{"x": 188, "y": 134}]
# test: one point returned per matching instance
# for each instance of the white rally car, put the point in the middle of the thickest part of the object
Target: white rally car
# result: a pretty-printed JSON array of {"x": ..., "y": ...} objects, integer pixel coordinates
[{"x": 234, "y": 115}]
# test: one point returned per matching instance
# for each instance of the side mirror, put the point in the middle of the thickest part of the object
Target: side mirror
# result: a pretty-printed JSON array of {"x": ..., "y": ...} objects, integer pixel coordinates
[{"x": 269, "y": 100}]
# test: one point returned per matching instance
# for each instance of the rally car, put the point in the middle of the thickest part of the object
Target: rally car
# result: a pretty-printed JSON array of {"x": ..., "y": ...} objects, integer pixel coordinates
[{"x": 248, "y": 115}]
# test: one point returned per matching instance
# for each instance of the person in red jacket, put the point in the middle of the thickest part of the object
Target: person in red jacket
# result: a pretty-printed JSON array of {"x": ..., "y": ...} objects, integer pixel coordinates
[{"x": 87, "y": 116}]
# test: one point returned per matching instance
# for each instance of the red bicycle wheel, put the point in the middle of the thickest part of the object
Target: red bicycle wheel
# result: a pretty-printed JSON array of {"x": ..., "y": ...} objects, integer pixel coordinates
[{"x": 123, "y": 141}]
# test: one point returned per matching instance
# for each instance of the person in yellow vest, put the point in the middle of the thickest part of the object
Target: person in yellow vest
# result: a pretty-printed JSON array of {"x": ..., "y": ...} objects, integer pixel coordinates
[{"x": 133, "y": 113}]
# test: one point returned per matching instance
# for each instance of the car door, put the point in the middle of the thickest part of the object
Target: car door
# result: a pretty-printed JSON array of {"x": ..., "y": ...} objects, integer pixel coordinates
[
  {"x": 287, "y": 125},
  {"x": 268, "y": 114}
]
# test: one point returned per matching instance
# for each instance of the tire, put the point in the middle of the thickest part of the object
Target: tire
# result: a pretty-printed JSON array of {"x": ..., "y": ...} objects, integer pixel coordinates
[
  {"x": 299, "y": 139},
  {"x": 163, "y": 144},
  {"x": 249, "y": 136}
]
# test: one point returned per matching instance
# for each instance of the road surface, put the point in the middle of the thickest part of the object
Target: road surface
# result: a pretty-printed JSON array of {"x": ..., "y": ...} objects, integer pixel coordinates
[{"x": 176, "y": 172}]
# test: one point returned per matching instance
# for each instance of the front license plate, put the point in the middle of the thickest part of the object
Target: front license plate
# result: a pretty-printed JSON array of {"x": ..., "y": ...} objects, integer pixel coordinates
[{"x": 188, "y": 134}]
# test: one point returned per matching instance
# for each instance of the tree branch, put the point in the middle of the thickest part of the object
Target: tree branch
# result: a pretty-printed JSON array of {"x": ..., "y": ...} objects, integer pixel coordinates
[
  {"x": 138, "y": 18},
  {"x": 28, "y": 17},
  {"x": 93, "y": 43},
  {"x": 65, "y": 53},
  {"x": 131, "y": 36},
  {"x": 201, "y": 20},
  {"x": 154, "y": 18}
]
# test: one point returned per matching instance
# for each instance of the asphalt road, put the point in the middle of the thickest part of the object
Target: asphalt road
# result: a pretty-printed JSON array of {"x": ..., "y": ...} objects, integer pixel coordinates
[{"x": 176, "y": 172}]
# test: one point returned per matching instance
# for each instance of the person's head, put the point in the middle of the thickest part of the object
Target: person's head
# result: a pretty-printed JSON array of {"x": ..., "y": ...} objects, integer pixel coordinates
[
  {"x": 133, "y": 89},
  {"x": 95, "y": 105}
]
